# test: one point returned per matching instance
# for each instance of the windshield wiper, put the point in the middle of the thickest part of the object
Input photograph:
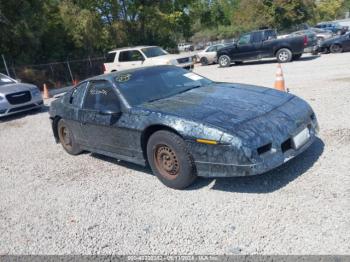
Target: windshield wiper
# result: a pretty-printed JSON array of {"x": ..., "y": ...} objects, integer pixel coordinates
[
  {"x": 182, "y": 91},
  {"x": 189, "y": 88}
]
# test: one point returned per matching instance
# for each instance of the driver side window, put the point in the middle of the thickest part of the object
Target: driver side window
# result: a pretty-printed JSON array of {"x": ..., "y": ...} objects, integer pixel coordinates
[
  {"x": 244, "y": 40},
  {"x": 100, "y": 96},
  {"x": 211, "y": 49},
  {"x": 77, "y": 94}
]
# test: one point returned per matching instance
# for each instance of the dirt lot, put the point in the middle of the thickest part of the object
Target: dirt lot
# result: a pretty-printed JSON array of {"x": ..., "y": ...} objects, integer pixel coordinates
[{"x": 53, "y": 203}]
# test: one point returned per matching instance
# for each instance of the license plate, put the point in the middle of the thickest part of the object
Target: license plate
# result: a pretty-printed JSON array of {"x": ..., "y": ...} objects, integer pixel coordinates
[{"x": 301, "y": 138}]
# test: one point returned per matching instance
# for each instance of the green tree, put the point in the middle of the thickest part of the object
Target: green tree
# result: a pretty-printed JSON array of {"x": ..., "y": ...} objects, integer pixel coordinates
[{"x": 327, "y": 10}]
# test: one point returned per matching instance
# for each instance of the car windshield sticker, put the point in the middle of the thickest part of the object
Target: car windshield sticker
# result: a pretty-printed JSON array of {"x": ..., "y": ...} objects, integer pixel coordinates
[
  {"x": 124, "y": 78},
  {"x": 193, "y": 77},
  {"x": 94, "y": 91}
]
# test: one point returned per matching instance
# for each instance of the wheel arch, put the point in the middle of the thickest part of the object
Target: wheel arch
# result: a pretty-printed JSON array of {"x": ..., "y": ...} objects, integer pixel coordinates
[
  {"x": 149, "y": 131},
  {"x": 336, "y": 43},
  {"x": 282, "y": 47}
]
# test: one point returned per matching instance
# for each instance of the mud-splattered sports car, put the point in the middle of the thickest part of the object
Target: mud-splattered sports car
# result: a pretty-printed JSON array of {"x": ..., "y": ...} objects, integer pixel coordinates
[{"x": 183, "y": 125}]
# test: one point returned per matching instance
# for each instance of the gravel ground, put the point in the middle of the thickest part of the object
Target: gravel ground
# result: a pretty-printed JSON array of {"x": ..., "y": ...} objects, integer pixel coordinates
[{"x": 53, "y": 203}]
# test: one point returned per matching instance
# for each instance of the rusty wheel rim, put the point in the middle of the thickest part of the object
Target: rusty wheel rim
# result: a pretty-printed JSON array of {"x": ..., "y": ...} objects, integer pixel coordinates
[
  {"x": 166, "y": 161},
  {"x": 65, "y": 137}
]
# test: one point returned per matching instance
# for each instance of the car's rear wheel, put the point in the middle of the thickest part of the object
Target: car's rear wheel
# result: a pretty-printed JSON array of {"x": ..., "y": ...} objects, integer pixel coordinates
[
  {"x": 336, "y": 48},
  {"x": 66, "y": 138},
  {"x": 170, "y": 160},
  {"x": 284, "y": 55},
  {"x": 204, "y": 61},
  {"x": 224, "y": 61}
]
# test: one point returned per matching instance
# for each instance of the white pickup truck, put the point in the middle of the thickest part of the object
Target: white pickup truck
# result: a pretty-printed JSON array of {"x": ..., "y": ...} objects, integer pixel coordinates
[{"x": 140, "y": 56}]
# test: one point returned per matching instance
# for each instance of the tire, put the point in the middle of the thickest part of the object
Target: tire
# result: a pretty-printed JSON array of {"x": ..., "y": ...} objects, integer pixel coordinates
[
  {"x": 224, "y": 61},
  {"x": 297, "y": 57},
  {"x": 284, "y": 55},
  {"x": 170, "y": 160},
  {"x": 204, "y": 61},
  {"x": 336, "y": 48},
  {"x": 66, "y": 138}
]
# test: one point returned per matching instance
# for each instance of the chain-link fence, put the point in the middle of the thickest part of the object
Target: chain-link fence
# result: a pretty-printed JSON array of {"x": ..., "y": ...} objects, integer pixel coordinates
[{"x": 57, "y": 75}]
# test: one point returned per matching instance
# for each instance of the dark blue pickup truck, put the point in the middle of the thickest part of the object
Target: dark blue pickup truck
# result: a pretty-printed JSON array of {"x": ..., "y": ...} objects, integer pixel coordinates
[{"x": 262, "y": 44}]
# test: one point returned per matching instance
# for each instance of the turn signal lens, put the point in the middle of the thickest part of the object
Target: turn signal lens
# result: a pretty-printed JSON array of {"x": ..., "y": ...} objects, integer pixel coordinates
[{"x": 206, "y": 141}]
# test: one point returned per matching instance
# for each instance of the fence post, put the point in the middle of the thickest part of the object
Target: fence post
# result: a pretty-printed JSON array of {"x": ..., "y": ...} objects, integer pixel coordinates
[
  {"x": 7, "y": 70},
  {"x": 14, "y": 72},
  {"x": 70, "y": 72},
  {"x": 90, "y": 61}
]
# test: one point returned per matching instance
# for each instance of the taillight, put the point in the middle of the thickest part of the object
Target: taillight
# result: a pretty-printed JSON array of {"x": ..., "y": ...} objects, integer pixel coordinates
[{"x": 305, "y": 40}]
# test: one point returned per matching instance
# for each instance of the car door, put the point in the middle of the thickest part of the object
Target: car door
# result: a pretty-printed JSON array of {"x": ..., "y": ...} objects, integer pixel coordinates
[
  {"x": 245, "y": 50},
  {"x": 102, "y": 120},
  {"x": 130, "y": 59},
  {"x": 73, "y": 101},
  {"x": 210, "y": 54}
]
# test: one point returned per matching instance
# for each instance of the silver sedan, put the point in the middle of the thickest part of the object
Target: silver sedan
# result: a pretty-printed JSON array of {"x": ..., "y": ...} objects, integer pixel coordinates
[{"x": 17, "y": 97}]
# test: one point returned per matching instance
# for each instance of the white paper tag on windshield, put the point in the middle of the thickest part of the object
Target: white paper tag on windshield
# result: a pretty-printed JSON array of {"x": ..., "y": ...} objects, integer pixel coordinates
[
  {"x": 5, "y": 80},
  {"x": 193, "y": 77}
]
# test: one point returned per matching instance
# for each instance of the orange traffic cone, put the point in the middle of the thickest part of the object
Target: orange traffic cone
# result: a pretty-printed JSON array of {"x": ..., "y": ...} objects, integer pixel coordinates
[
  {"x": 46, "y": 94},
  {"x": 279, "y": 83}
]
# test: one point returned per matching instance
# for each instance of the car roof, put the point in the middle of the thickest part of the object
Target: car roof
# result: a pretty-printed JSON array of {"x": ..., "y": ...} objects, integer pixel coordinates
[{"x": 131, "y": 48}]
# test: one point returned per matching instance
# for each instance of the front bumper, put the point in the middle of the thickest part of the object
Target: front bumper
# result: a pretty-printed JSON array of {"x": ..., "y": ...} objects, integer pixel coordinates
[
  {"x": 7, "y": 109},
  {"x": 268, "y": 162}
]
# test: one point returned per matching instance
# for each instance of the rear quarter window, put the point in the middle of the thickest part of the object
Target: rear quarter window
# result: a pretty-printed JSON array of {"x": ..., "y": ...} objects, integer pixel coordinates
[{"x": 110, "y": 57}]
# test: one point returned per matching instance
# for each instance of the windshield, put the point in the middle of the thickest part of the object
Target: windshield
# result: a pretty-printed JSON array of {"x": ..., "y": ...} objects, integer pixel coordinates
[
  {"x": 5, "y": 80},
  {"x": 153, "y": 51},
  {"x": 156, "y": 83}
]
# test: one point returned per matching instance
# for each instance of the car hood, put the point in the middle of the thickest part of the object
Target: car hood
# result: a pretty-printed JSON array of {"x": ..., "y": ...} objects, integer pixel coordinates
[
  {"x": 234, "y": 107},
  {"x": 17, "y": 87}
]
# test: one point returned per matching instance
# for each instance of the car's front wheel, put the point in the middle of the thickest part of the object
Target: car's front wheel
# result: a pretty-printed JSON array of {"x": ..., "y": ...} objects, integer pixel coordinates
[
  {"x": 66, "y": 138},
  {"x": 224, "y": 61},
  {"x": 170, "y": 160},
  {"x": 336, "y": 48},
  {"x": 204, "y": 61},
  {"x": 284, "y": 55}
]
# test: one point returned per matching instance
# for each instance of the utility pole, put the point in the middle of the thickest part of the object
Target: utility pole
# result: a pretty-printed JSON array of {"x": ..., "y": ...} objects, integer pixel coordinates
[{"x": 7, "y": 70}]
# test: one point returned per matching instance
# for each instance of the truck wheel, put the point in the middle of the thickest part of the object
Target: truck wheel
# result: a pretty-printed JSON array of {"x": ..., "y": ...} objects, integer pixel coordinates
[
  {"x": 297, "y": 57},
  {"x": 170, "y": 160},
  {"x": 335, "y": 48},
  {"x": 224, "y": 61},
  {"x": 284, "y": 55},
  {"x": 204, "y": 61}
]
